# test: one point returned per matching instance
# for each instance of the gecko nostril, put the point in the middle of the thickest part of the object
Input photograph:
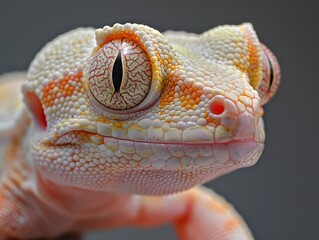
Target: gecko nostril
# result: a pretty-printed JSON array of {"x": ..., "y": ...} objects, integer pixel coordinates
[{"x": 217, "y": 107}]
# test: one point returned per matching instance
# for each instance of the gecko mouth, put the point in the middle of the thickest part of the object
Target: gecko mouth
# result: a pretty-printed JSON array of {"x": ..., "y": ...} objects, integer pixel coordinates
[
  {"x": 80, "y": 136},
  {"x": 79, "y": 128},
  {"x": 171, "y": 155},
  {"x": 84, "y": 158}
]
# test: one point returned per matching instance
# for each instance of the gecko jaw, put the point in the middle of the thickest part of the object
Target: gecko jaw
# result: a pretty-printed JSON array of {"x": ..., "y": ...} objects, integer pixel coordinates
[{"x": 109, "y": 162}]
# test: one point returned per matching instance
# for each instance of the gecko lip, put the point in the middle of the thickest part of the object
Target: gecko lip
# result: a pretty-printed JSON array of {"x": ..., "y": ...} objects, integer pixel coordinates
[
  {"x": 246, "y": 152},
  {"x": 61, "y": 139},
  {"x": 196, "y": 151}
]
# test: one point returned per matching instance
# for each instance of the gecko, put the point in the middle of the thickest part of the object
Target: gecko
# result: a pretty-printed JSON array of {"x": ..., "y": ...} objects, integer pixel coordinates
[{"x": 119, "y": 126}]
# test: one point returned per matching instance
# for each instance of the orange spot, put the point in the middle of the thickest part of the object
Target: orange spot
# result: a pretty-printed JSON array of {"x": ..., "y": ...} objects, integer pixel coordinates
[
  {"x": 153, "y": 200},
  {"x": 215, "y": 121},
  {"x": 199, "y": 93},
  {"x": 117, "y": 124},
  {"x": 104, "y": 120},
  {"x": 188, "y": 106},
  {"x": 217, "y": 206},
  {"x": 63, "y": 89},
  {"x": 231, "y": 224},
  {"x": 253, "y": 70},
  {"x": 183, "y": 104},
  {"x": 12, "y": 150},
  {"x": 168, "y": 97},
  {"x": 191, "y": 102}
]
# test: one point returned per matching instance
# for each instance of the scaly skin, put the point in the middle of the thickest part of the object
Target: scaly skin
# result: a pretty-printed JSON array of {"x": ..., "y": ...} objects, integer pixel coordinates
[{"x": 122, "y": 118}]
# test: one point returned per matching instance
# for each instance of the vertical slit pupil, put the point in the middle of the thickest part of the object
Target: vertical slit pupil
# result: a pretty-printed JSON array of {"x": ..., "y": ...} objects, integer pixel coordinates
[
  {"x": 271, "y": 73},
  {"x": 117, "y": 73}
]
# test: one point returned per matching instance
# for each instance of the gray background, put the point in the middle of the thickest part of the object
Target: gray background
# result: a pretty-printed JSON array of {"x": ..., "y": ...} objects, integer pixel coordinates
[{"x": 278, "y": 197}]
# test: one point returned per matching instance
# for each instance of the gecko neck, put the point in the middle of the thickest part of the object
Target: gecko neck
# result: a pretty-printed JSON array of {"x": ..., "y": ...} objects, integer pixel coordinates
[{"x": 79, "y": 203}]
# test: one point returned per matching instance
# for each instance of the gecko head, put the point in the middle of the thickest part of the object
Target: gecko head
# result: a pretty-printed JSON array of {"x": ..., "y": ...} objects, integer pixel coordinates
[{"x": 126, "y": 109}]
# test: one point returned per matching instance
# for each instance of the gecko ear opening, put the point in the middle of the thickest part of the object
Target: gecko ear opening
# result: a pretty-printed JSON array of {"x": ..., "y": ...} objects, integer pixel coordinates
[{"x": 36, "y": 109}]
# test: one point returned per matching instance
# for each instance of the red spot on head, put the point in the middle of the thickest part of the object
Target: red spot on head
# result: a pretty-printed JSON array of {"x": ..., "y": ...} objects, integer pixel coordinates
[{"x": 217, "y": 108}]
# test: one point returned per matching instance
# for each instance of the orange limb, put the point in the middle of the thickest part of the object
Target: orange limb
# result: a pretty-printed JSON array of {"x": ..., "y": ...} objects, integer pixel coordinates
[{"x": 198, "y": 214}]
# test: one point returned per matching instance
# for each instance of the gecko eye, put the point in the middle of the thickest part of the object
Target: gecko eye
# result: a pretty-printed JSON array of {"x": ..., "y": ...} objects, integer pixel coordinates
[
  {"x": 120, "y": 74},
  {"x": 271, "y": 75}
]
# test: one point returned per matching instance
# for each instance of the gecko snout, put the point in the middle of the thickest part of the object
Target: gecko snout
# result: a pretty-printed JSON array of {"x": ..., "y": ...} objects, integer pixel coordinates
[{"x": 235, "y": 120}]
